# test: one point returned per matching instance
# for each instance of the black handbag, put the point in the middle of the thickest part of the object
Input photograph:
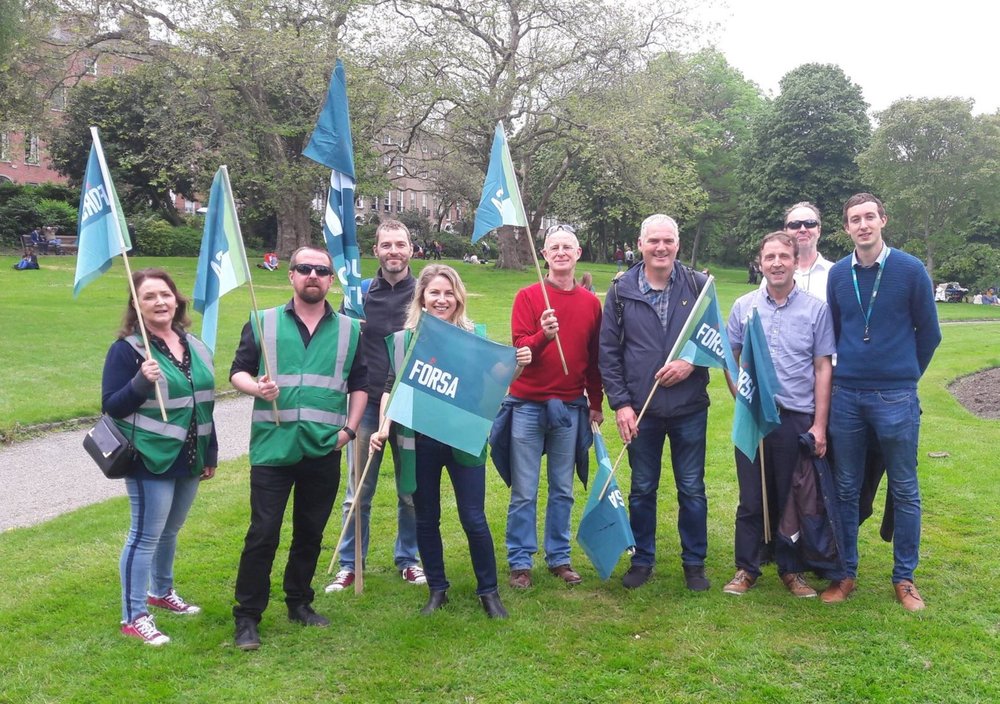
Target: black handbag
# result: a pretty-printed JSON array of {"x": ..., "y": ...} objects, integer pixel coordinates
[{"x": 109, "y": 448}]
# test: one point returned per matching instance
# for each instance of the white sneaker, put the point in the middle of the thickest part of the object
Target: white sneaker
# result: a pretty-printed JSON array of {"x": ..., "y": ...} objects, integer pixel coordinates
[
  {"x": 413, "y": 575},
  {"x": 144, "y": 628},
  {"x": 342, "y": 581}
]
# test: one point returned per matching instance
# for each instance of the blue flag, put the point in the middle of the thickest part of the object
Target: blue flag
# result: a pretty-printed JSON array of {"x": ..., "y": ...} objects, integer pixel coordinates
[
  {"x": 756, "y": 414},
  {"x": 101, "y": 230},
  {"x": 222, "y": 262},
  {"x": 331, "y": 146},
  {"x": 604, "y": 532},
  {"x": 501, "y": 201},
  {"x": 451, "y": 384},
  {"x": 703, "y": 340}
]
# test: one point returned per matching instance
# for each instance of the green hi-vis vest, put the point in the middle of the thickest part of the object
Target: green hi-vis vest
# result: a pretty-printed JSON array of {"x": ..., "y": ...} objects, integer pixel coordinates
[
  {"x": 312, "y": 383},
  {"x": 399, "y": 344},
  {"x": 159, "y": 443}
]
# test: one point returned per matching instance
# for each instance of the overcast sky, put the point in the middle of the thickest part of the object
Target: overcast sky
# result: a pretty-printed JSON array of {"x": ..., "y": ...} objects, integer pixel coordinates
[{"x": 892, "y": 49}]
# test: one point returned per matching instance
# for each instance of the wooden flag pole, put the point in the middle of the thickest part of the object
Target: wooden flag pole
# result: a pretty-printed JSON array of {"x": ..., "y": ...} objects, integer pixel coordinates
[
  {"x": 649, "y": 398},
  {"x": 763, "y": 493},
  {"x": 359, "y": 561},
  {"x": 112, "y": 198},
  {"x": 253, "y": 296},
  {"x": 350, "y": 511},
  {"x": 541, "y": 281}
]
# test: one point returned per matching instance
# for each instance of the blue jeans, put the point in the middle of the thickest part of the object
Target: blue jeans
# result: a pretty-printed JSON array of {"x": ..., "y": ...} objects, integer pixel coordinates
[
  {"x": 406, "y": 537},
  {"x": 687, "y": 456},
  {"x": 470, "y": 496},
  {"x": 159, "y": 507},
  {"x": 528, "y": 440},
  {"x": 893, "y": 416}
]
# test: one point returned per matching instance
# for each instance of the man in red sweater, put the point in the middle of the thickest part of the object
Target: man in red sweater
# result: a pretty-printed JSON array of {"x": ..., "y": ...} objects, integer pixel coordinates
[{"x": 549, "y": 406}]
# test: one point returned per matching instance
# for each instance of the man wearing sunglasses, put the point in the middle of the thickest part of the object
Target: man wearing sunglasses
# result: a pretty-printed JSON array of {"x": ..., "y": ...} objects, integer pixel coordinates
[
  {"x": 549, "y": 412},
  {"x": 385, "y": 304},
  {"x": 803, "y": 222},
  {"x": 644, "y": 314},
  {"x": 302, "y": 417}
]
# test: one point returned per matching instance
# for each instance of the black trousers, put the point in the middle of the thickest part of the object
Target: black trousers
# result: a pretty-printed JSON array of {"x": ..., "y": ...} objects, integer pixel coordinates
[
  {"x": 781, "y": 452},
  {"x": 315, "y": 483}
]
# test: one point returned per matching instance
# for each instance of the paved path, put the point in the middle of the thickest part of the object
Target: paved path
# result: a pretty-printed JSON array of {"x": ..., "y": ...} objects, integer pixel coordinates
[{"x": 50, "y": 475}]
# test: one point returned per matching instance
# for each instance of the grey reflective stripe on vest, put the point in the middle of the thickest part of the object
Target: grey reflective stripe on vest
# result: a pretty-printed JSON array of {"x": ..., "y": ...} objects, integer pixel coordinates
[
  {"x": 398, "y": 351},
  {"x": 184, "y": 402},
  {"x": 205, "y": 428},
  {"x": 406, "y": 442},
  {"x": 204, "y": 396},
  {"x": 202, "y": 351},
  {"x": 335, "y": 382},
  {"x": 157, "y": 426},
  {"x": 290, "y": 415}
]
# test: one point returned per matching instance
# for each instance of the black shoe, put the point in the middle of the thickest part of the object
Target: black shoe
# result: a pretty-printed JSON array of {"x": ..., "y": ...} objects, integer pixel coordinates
[
  {"x": 304, "y": 614},
  {"x": 247, "y": 637},
  {"x": 636, "y": 576},
  {"x": 694, "y": 576},
  {"x": 436, "y": 601},
  {"x": 493, "y": 606}
]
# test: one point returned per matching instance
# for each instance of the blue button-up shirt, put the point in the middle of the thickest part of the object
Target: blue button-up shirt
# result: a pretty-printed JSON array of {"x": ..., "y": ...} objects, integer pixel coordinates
[{"x": 658, "y": 298}]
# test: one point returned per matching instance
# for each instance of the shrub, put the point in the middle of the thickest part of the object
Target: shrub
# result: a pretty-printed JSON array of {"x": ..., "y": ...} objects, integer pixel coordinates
[{"x": 158, "y": 238}]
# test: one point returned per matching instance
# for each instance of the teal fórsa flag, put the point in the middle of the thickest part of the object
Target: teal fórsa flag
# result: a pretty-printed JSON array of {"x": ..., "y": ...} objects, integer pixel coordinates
[
  {"x": 451, "y": 384},
  {"x": 501, "y": 200},
  {"x": 331, "y": 146},
  {"x": 604, "y": 532},
  {"x": 703, "y": 341},
  {"x": 755, "y": 414},
  {"x": 101, "y": 230},
  {"x": 222, "y": 263}
]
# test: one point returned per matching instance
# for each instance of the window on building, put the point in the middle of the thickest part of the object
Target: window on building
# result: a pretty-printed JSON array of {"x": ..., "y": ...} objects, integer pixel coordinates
[
  {"x": 359, "y": 203},
  {"x": 413, "y": 200},
  {"x": 400, "y": 171},
  {"x": 4, "y": 146},
  {"x": 386, "y": 139},
  {"x": 31, "y": 149},
  {"x": 388, "y": 202},
  {"x": 90, "y": 66},
  {"x": 399, "y": 201},
  {"x": 374, "y": 202},
  {"x": 117, "y": 70},
  {"x": 386, "y": 160},
  {"x": 189, "y": 207},
  {"x": 59, "y": 98}
]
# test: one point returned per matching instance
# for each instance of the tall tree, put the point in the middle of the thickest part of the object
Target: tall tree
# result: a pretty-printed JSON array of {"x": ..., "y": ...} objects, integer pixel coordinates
[
  {"x": 804, "y": 146},
  {"x": 461, "y": 66},
  {"x": 928, "y": 159}
]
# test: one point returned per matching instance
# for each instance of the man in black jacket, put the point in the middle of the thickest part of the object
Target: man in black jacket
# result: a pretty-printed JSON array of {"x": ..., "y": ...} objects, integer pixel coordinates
[{"x": 644, "y": 312}]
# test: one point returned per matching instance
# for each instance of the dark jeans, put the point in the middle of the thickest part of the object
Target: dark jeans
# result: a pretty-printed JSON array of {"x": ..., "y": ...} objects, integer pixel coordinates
[
  {"x": 781, "y": 455},
  {"x": 470, "y": 496},
  {"x": 315, "y": 483},
  {"x": 687, "y": 457}
]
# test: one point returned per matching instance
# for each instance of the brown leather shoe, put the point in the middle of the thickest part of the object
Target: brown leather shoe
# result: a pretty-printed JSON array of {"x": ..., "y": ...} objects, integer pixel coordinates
[
  {"x": 838, "y": 591},
  {"x": 740, "y": 584},
  {"x": 566, "y": 574},
  {"x": 520, "y": 579},
  {"x": 908, "y": 596},
  {"x": 798, "y": 585}
]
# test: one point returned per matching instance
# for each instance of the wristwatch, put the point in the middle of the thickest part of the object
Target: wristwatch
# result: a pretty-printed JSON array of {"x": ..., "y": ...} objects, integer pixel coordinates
[{"x": 350, "y": 433}]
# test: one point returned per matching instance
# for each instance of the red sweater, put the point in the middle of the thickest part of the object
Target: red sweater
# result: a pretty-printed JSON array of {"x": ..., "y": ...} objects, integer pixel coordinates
[{"x": 579, "y": 315}]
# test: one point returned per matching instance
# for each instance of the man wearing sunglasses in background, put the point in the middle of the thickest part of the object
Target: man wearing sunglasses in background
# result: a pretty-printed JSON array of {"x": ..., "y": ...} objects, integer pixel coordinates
[
  {"x": 549, "y": 412},
  {"x": 803, "y": 222},
  {"x": 318, "y": 393}
]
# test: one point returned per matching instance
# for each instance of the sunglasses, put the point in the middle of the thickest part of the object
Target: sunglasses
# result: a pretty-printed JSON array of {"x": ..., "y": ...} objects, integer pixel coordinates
[
  {"x": 796, "y": 224},
  {"x": 306, "y": 269},
  {"x": 560, "y": 227}
]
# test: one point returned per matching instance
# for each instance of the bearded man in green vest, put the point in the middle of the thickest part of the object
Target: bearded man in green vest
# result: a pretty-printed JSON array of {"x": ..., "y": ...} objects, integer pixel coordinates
[{"x": 302, "y": 417}]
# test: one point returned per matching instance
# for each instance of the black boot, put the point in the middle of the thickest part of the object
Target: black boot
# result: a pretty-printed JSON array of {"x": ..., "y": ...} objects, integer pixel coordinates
[
  {"x": 436, "y": 600},
  {"x": 493, "y": 606}
]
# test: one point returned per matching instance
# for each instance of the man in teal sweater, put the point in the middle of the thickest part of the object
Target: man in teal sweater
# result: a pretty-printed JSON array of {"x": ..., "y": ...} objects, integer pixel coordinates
[{"x": 886, "y": 327}]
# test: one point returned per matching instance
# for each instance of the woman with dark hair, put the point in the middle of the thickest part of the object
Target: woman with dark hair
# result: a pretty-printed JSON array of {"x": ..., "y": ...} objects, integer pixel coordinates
[
  {"x": 172, "y": 456},
  {"x": 441, "y": 293}
]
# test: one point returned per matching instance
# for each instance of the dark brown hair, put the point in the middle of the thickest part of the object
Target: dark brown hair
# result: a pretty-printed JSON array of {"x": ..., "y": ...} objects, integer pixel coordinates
[
  {"x": 858, "y": 199},
  {"x": 130, "y": 320}
]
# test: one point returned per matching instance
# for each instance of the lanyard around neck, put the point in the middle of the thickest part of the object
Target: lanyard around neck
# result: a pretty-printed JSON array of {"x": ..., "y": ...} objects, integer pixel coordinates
[{"x": 871, "y": 302}]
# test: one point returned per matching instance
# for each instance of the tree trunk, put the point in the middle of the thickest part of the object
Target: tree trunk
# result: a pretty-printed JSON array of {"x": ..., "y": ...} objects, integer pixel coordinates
[
  {"x": 512, "y": 253},
  {"x": 294, "y": 227}
]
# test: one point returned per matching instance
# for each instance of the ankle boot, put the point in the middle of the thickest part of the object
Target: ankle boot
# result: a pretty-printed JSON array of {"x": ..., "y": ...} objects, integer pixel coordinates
[
  {"x": 435, "y": 601},
  {"x": 492, "y": 605}
]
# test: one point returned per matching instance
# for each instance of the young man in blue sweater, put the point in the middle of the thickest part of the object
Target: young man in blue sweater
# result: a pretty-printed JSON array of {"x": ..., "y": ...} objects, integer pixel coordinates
[{"x": 885, "y": 323}]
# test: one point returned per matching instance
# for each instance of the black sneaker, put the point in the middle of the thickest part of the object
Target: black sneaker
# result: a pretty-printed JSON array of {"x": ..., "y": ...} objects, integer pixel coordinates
[
  {"x": 636, "y": 576},
  {"x": 694, "y": 576},
  {"x": 304, "y": 614},
  {"x": 247, "y": 637}
]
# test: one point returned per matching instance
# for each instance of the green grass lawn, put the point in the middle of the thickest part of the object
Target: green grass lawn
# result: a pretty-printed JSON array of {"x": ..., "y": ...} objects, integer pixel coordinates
[{"x": 59, "y": 595}]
